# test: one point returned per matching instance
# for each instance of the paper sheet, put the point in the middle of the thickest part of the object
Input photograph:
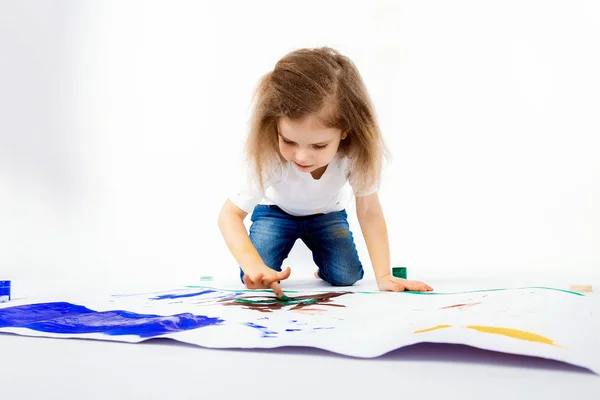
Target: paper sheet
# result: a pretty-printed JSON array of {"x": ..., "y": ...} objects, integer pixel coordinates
[{"x": 540, "y": 322}]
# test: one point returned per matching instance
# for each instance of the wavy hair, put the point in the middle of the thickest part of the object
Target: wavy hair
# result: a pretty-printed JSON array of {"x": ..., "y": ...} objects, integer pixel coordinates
[{"x": 327, "y": 84}]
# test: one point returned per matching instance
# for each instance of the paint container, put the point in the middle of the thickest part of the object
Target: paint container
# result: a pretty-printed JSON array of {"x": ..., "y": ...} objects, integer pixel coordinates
[
  {"x": 399, "y": 272},
  {"x": 4, "y": 291}
]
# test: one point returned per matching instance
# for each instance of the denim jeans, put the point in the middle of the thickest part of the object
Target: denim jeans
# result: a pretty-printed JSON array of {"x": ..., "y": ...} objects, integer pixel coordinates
[{"x": 274, "y": 232}]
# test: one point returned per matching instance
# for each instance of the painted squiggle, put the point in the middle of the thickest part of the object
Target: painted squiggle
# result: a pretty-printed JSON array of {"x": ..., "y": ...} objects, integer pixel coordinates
[
  {"x": 509, "y": 332},
  {"x": 515, "y": 334},
  {"x": 180, "y": 296},
  {"x": 435, "y": 328},
  {"x": 266, "y": 332}
]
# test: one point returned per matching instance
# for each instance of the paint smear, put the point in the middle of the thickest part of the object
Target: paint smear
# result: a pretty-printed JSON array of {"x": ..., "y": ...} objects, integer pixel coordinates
[
  {"x": 180, "y": 296},
  {"x": 67, "y": 318},
  {"x": 340, "y": 233},
  {"x": 435, "y": 328},
  {"x": 284, "y": 302},
  {"x": 515, "y": 333},
  {"x": 509, "y": 332},
  {"x": 460, "y": 305},
  {"x": 311, "y": 311},
  {"x": 266, "y": 332},
  {"x": 270, "y": 304}
]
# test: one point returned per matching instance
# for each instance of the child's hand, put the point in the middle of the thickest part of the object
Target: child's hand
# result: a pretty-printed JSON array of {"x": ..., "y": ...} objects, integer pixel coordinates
[
  {"x": 266, "y": 278},
  {"x": 392, "y": 284}
]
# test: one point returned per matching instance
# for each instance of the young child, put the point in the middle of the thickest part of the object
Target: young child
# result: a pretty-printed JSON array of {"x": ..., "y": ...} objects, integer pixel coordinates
[{"x": 313, "y": 140}]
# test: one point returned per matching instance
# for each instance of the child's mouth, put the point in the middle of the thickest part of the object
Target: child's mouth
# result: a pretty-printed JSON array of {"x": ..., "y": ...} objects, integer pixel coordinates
[{"x": 302, "y": 166}]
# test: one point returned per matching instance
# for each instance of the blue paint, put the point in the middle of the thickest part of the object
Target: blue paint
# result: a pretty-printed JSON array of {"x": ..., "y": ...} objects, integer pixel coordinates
[
  {"x": 329, "y": 327},
  {"x": 229, "y": 295},
  {"x": 180, "y": 296},
  {"x": 292, "y": 330},
  {"x": 266, "y": 333},
  {"x": 4, "y": 291},
  {"x": 67, "y": 318}
]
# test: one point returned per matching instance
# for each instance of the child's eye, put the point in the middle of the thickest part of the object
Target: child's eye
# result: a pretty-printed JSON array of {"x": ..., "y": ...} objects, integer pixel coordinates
[
  {"x": 288, "y": 142},
  {"x": 319, "y": 146}
]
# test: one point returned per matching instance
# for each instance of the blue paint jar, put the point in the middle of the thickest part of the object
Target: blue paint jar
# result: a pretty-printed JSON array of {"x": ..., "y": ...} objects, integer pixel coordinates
[{"x": 4, "y": 291}]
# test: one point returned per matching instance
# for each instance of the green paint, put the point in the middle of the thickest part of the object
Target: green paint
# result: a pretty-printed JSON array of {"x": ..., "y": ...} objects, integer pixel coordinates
[
  {"x": 495, "y": 290},
  {"x": 399, "y": 272},
  {"x": 377, "y": 292},
  {"x": 284, "y": 298},
  {"x": 270, "y": 291},
  {"x": 290, "y": 301}
]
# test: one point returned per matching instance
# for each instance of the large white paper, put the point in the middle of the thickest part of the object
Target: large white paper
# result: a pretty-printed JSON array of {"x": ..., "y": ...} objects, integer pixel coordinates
[{"x": 540, "y": 322}]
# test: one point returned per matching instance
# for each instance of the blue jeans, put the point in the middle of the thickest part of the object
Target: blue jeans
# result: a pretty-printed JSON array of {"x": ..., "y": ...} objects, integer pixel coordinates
[{"x": 274, "y": 232}]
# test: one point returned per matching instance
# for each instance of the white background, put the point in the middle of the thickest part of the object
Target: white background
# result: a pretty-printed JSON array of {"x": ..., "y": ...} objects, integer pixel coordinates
[{"x": 122, "y": 124}]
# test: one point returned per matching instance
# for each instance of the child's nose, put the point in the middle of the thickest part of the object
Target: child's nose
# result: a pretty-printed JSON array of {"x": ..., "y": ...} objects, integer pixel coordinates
[{"x": 302, "y": 156}]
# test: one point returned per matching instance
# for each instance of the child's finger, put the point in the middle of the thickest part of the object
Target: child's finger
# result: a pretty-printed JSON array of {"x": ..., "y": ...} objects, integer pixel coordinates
[
  {"x": 423, "y": 288},
  {"x": 417, "y": 286},
  {"x": 427, "y": 288},
  {"x": 276, "y": 276},
  {"x": 284, "y": 274},
  {"x": 267, "y": 281},
  {"x": 257, "y": 281},
  {"x": 247, "y": 281},
  {"x": 277, "y": 290},
  {"x": 414, "y": 287},
  {"x": 253, "y": 282}
]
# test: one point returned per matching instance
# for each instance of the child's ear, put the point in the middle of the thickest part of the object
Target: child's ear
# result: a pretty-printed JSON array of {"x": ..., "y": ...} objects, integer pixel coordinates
[{"x": 344, "y": 135}]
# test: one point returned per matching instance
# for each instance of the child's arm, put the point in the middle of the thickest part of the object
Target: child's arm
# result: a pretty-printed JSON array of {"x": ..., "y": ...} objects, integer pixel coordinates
[
  {"x": 256, "y": 274},
  {"x": 374, "y": 229}
]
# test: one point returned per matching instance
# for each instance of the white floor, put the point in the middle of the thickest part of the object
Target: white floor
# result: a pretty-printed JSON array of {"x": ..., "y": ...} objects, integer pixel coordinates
[{"x": 39, "y": 368}]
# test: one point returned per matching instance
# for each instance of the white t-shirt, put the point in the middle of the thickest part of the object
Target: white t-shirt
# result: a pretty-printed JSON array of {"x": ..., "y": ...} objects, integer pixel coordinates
[{"x": 298, "y": 193}]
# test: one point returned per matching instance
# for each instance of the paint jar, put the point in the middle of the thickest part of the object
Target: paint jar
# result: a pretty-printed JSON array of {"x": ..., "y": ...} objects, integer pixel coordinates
[
  {"x": 4, "y": 291},
  {"x": 400, "y": 272}
]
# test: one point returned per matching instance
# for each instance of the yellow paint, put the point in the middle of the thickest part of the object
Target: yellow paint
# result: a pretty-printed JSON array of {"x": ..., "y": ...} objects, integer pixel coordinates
[
  {"x": 512, "y": 333},
  {"x": 340, "y": 233},
  {"x": 433, "y": 329},
  {"x": 515, "y": 334}
]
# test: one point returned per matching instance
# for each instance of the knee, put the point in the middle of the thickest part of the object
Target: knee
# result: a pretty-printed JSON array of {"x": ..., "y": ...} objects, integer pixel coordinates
[
  {"x": 343, "y": 282},
  {"x": 345, "y": 277}
]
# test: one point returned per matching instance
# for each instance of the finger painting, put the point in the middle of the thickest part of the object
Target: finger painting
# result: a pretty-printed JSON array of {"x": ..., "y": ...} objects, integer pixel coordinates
[
  {"x": 269, "y": 304},
  {"x": 539, "y": 322}
]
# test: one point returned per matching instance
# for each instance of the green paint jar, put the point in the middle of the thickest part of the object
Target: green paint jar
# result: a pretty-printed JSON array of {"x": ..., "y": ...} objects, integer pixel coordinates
[{"x": 400, "y": 272}]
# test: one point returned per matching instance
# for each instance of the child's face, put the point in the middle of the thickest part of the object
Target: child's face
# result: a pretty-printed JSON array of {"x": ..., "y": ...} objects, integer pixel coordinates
[{"x": 307, "y": 143}]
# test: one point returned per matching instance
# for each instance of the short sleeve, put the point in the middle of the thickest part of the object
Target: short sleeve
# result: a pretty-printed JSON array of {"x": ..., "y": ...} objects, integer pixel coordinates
[
  {"x": 357, "y": 193},
  {"x": 370, "y": 191},
  {"x": 250, "y": 193}
]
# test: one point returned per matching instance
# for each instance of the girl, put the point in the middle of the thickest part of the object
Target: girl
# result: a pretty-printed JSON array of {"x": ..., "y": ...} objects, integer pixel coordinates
[{"x": 313, "y": 138}]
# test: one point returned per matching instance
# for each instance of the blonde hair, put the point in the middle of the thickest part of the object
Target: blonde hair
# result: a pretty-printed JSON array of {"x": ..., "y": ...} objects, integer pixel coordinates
[{"x": 320, "y": 82}]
